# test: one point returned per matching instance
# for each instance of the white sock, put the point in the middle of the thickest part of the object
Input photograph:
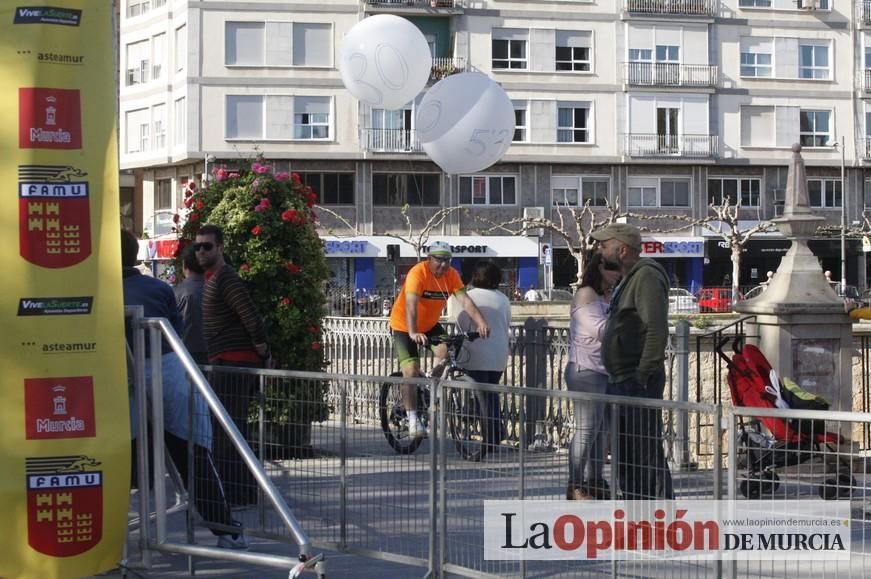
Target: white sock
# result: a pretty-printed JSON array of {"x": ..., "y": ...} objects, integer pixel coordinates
[{"x": 412, "y": 416}]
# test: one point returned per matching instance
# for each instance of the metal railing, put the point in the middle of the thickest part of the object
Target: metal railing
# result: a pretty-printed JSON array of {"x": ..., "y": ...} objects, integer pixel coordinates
[
  {"x": 391, "y": 140},
  {"x": 150, "y": 406},
  {"x": 415, "y": 3},
  {"x": 443, "y": 66},
  {"x": 677, "y": 7},
  {"x": 863, "y": 8},
  {"x": 670, "y": 74},
  {"x": 665, "y": 146}
]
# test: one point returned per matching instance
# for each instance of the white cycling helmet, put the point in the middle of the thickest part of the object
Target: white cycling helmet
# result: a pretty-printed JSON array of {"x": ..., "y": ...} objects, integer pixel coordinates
[{"x": 439, "y": 248}]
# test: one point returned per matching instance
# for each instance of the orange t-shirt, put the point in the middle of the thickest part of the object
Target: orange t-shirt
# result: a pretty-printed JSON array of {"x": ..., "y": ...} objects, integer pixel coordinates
[{"x": 433, "y": 293}]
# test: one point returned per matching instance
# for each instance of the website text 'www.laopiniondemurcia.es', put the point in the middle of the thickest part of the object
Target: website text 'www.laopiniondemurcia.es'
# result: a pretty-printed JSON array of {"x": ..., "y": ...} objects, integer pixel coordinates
[{"x": 702, "y": 529}]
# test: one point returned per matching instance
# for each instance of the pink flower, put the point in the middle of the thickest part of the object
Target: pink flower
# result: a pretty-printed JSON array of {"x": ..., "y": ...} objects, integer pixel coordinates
[
  {"x": 286, "y": 301},
  {"x": 265, "y": 203},
  {"x": 292, "y": 268},
  {"x": 188, "y": 202},
  {"x": 296, "y": 178},
  {"x": 256, "y": 230},
  {"x": 289, "y": 215},
  {"x": 312, "y": 329},
  {"x": 194, "y": 216},
  {"x": 316, "y": 346},
  {"x": 233, "y": 175},
  {"x": 282, "y": 176},
  {"x": 260, "y": 169},
  {"x": 175, "y": 217},
  {"x": 255, "y": 184},
  {"x": 220, "y": 174},
  {"x": 244, "y": 268},
  {"x": 200, "y": 204}
]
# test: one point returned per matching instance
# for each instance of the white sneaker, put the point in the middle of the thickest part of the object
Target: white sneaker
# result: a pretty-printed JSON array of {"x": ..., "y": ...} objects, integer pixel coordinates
[
  {"x": 235, "y": 542},
  {"x": 417, "y": 430}
]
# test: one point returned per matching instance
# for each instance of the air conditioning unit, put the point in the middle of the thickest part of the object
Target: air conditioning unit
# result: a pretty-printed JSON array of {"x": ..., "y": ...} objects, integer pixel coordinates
[
  {"x": 534, "y": 213},
  {"x": 808, "y": 4}
]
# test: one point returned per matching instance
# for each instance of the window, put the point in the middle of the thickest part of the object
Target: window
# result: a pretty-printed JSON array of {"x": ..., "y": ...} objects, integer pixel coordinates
[
  {"x": 311, "y": 118},
  {"x": 331, "y": 188},
  {"x": 520, "y": 128},
  {"x": 572, "y": 123},
  {"x": 640, "y": 55},
  {"x": 487, "y": 190},
  {"x": 658, "y": 192},
  {"x": 181, "y": 48},
  {"x": 419, "y": 189},
  {"x": 813, "y": 61},
  {"x": 593, "y": 190},
  {"x": 138, "y": 62},
  {"x": 754, "y": 3},
  {"x": 180, "y": 122},
  {"x": 509, "y": 49},
  {"x": 137, "y": 7},
  {"x": 244, "y": 117},
  {"x": 667, "y": 53},
  {"x": 158, "y": 119},
  {"x": 163, "y": 194},
  {"x": 137, "y": 123},
  {"x": 742, "y": 191},
  {"x": 755, "y": 64},
  {"x": 158, "y": 46},
  {"x": 573, "y": 49},
  {"x": 312, "y": 44},
  {"x": 674, "y": 193},
  {"x": 824, "y": 192},
  {"x": 814, "y": 128},
  {"x": 277, "y": 117}
]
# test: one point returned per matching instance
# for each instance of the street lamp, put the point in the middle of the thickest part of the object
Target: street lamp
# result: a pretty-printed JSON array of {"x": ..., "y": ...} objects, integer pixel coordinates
[{"x": 842, "y": 147}]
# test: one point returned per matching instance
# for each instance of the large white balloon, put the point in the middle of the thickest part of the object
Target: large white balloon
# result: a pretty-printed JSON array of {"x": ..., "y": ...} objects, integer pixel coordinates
[
  {"x": 385, "y": 61},
  {"x": 465, "y": 123}
]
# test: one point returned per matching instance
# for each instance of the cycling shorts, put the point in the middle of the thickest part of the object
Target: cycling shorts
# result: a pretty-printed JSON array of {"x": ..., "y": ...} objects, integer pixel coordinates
[{"x": 407, "y": 349}]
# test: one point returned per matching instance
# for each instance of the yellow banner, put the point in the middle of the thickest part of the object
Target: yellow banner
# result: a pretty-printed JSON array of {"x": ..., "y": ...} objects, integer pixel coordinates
[{"x": 64, "y": 449}]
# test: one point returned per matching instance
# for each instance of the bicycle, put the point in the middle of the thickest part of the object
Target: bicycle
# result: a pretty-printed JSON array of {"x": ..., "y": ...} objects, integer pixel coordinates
[{"x": 466, "y": 408}]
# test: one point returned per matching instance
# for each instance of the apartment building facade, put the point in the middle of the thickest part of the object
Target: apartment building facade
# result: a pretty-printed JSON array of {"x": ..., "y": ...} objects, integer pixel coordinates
[{"x": 661, "y": 106}]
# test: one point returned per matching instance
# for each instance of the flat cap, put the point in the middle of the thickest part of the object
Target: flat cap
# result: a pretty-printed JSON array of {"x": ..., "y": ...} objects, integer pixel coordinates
[{"x": 623, "y": 232}]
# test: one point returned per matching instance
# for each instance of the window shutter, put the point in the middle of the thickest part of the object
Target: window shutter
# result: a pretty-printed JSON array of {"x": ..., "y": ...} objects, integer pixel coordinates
[
  {"x": 542, "y": 121},
  {"x": 787, "y": 126},
  {"x": 542, "y": 57},
  {"x": 786, "y": 57},
  {"x": 278, "y": 43}
]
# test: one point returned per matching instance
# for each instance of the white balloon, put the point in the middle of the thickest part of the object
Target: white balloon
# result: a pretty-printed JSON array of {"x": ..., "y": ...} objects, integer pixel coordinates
[
  {"x": 465, "y": 123},
  {"x": 385, "y": 61}
]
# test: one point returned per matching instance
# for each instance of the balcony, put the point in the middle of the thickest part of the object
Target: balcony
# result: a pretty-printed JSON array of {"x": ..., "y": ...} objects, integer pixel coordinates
[
  {"x": 664, "y": 74},
  {"x": 438, "y": 6},
  {"x": 864, "y": 9},
  {"x": 866, "y": 80},
  {"x": 665, "y": 146},
  {"x": 446, "y": 66},
  {"x": 390, "y": 141},
  {"x": 865, "y": 148},
  {"x": 673, "y": 7}
]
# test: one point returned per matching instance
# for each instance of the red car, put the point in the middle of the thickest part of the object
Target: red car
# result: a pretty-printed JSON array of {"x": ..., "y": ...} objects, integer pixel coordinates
[{"x": 716, "y": 299}]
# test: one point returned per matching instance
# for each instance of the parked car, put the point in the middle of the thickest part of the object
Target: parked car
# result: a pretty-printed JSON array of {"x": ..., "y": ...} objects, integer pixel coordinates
[
  {"x": 158, "y": 224},
  {"x": 681, "y": 301},
  {"x": 716, "y": 299}
]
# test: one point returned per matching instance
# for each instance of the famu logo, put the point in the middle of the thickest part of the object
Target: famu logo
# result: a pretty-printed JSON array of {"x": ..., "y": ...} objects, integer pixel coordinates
[
  {"x": 64, "y": 504},
  {"x": 55, "y": 306},
  {"x": 47, "y": 15}
]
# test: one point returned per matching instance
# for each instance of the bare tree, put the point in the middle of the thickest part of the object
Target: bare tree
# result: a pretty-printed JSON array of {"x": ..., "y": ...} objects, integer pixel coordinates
[
  {"x": 419, "y": 238},
  {"x": 341, "y": 219},
  {"x": 723, "y": 221}
]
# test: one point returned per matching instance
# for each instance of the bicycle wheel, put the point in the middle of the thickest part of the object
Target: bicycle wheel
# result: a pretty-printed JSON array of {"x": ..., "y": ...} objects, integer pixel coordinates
[
  {"x": 394, "y": 419},
  {"x": 467, "y": 419}
]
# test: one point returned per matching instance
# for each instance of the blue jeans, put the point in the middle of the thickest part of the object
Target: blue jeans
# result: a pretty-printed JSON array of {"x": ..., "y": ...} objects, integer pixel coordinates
[
  {"x": 591, "y": 426},
  {"x": 495, "y": 430},
  {"x": 641, "y": 465}
]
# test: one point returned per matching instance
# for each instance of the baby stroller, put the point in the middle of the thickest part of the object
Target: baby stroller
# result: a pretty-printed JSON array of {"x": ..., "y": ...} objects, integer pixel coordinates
[{"x": 753, "y": 384}]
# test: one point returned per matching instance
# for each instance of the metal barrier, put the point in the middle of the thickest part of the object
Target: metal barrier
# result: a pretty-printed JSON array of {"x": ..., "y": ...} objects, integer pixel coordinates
[{"x": 202, "y": 406}]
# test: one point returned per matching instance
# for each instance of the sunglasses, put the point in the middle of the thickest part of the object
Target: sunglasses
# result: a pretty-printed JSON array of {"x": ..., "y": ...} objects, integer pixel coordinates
[
  {"x": 204, "y": 246},
  {"x": 440, "y": 259}
]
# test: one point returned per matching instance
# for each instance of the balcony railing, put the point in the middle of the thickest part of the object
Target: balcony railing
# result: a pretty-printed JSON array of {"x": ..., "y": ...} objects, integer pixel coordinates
[
  {"x": 671, "y": 74},
  {"x": 687, "y": 7},
  {"x": 866, "y": 80},
  {"x": 446, "y": 66},
  {"x": 391, "y": 140},
  {"x": 864, "y": 7},
  {"x": 414, "y": 3},
  {"x": 662, "y": 146},
  {"x": 865, "y": 148}
]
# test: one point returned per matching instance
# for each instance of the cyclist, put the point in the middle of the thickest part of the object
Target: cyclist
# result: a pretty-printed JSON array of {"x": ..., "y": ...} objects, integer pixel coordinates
[{"x": 415, "y": 316}]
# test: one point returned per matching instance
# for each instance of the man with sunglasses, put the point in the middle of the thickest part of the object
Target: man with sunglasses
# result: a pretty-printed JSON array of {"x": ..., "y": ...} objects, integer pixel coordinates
[
  {"x": 415, "y": 316},
  {"x": 235, "y": 336},
  {"x": 633, "y": 353}
]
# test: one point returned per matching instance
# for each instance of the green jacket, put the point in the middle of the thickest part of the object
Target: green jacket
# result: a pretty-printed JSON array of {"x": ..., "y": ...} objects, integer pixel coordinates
[{"x": 633, "y": 344}]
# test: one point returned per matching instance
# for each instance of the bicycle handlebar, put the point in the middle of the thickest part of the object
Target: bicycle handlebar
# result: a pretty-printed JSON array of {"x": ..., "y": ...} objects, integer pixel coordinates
[{"x": 456, "y": 340}]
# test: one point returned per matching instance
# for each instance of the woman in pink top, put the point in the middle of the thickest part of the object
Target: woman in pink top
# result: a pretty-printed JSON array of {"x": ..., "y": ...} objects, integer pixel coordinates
[{"x": 586, "y": 373}]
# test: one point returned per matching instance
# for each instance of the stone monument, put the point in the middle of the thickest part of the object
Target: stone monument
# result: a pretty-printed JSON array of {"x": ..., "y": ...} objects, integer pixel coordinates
[{"x": 800, "y": 323}]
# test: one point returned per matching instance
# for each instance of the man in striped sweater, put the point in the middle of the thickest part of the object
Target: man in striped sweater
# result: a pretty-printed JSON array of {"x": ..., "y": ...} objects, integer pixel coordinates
[{"x": 235, "y": 336}]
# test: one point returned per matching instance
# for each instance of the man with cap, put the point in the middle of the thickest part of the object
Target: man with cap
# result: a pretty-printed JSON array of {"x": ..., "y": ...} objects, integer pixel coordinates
[
  {"x": 415, "y": 316},
  {"x": 633, "y": 352}
]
